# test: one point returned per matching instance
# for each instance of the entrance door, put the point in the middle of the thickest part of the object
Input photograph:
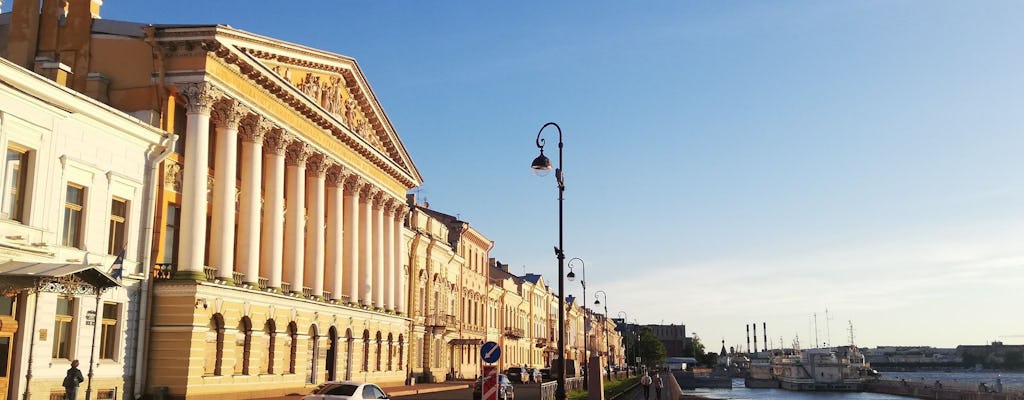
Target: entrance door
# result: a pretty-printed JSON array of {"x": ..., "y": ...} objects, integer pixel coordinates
[{"x": 332, "y": 354}]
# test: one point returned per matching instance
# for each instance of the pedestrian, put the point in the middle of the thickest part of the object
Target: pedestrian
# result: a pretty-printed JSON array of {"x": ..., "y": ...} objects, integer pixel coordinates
[
  {"x": 645, "y": 381},
  {"x": 71, "y": 381},
  {"x": 537, "y": 376},
  {"x": 658, "y": 384}
]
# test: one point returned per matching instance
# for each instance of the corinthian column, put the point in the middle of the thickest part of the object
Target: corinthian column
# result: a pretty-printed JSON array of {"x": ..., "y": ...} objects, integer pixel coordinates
[
  {"x": 388, "y": 281},
  {"x": 226, "y": 115},
  {"x": 353, "y": 198},
  {"x": 252, "y": 129},
  {"x": 272, "y": 239},
  {"x": 366, "y": 245},
  {"x": 295, "y": 214},
  {"x": 334, "y": 268},
  {"x": 192, "y": 243},
  {"x": 316, "y": 169},
  {"x": 400, "y": 260},
  {"x": 378, "y": 249}
]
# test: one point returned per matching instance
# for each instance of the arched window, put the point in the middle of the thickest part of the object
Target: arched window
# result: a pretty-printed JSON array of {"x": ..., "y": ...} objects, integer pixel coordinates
[
  {"x": 366, "y": 350},
  {"x": 391, "y": 352},
  {"x": 314, "y": 354},
  {"x": 332, "y": 354},
  {"x": 270, "y": 330},
  {"x": 379, "y": 348},
  {"x": 293, "y": 334},
  {"x": 401, "y": 352},
  {"x": 215, "y": 346},
  {"x": 245, "y": 329}
]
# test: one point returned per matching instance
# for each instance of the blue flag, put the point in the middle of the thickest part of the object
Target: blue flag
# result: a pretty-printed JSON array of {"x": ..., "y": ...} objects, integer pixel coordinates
[{"x": 118, "y": 268}]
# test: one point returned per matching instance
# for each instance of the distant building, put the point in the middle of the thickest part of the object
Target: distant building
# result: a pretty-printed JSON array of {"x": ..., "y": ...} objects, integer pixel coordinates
[{"x": 673, "y": 337}]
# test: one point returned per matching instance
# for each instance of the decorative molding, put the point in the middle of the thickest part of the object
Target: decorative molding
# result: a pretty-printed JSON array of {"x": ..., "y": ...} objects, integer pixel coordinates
[
  {"x": 200, "y": 96},
  {"x": 316, "y": 165},
  {"x": 276, "y": 141},
  {"x": 173, "y": 176},
  {"x": 297, "y": 153},
  {"x": 253, "y": 128},
  {"x": 228, "y": 113},
  {"x": 337, "y": 175}
]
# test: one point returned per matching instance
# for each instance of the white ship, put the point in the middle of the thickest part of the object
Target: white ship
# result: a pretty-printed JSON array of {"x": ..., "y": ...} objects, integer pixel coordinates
[{"x": 832, "y": 369}]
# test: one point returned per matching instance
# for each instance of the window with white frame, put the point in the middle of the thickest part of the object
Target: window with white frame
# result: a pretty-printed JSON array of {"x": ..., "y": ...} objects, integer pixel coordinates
[
  {"x": 63, "y": 321},
  {"x": 74, "y": 212},
  {"x": 118, "y": 223},
  {"x": 15, "y": 183},
  {"x": 110, "y": 334}
]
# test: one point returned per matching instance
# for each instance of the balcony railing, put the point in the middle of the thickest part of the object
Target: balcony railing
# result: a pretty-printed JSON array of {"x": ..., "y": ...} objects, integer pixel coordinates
[
  {"x": 514, "y": 333},
  {"x": 439, "y": 320},
  {"x": 541, "y": 343}
]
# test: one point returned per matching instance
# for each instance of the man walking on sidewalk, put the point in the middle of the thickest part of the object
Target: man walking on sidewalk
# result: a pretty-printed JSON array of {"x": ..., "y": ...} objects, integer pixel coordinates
[
  {"x": 645, "y": 381},
  {"x": 658, "y": 384}
]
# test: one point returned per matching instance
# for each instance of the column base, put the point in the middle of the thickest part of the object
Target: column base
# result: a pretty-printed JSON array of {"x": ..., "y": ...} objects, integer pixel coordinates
[{"x": 198, "y": 276}]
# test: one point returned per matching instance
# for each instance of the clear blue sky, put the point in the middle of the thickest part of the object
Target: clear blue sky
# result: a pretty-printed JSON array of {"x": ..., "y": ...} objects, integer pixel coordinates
[{"x": 726, "y": 162}]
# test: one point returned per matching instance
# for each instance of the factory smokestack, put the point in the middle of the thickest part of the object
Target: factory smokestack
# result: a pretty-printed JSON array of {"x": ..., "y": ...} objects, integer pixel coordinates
[
  {"x": 755, "y": 337},
  {"x": 748, "y": 339},
  {"x": 764, "y": 330}
]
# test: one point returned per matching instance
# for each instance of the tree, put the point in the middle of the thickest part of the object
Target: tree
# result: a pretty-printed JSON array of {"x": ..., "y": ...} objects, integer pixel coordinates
[{"x": 652, "y": 351}]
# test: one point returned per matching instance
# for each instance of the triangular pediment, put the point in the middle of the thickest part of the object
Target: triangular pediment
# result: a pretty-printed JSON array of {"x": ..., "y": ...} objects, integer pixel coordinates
[{"x": 330, "y": 83}]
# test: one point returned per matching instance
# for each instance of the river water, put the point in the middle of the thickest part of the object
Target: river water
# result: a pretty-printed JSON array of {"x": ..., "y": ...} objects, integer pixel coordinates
[{"x": 1010, "y": 381}]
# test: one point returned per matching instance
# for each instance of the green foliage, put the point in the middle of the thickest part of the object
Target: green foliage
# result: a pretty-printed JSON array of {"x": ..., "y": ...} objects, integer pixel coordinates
[
  {"x": 611, "y": 389},
  {"x": 652, "y": 351}
]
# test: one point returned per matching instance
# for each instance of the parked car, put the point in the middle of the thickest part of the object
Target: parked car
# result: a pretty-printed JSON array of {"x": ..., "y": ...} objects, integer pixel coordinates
[
  {"x": 545, "y": 374},
  {"x": 518, "y": 374},
  {"x": 346, "y": 390},
  {"x": 505, "y": 391}
]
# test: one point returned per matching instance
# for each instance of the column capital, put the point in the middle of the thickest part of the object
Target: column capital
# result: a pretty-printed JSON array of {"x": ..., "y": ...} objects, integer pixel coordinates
[
  {"x": 253, "y": 128},
  {"x": 228, "y": 112},
  {"x": 317, "y": 165},
  {"x": 297, "y": 153},
  {"x": 336, "y": 174},
  {"x": 377, "y": 197},
  {"x": 200, "y": 96},
  {"x": 400, "y": 211},
  {"x": 276, "y": 141},
  {"x": 355, "y": 185}
]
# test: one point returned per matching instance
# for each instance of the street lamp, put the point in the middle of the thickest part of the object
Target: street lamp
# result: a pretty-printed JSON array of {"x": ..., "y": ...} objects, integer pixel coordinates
[
  {"x": 607, "y": 349},
  {"x": 541, "y": 165},
  {"x": 586, "y": 321}
]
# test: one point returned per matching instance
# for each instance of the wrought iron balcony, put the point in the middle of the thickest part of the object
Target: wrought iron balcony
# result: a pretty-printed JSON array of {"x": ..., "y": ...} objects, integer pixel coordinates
[
  {"x": 514, "y": 333},
  {"x": 439, "y": 320}
]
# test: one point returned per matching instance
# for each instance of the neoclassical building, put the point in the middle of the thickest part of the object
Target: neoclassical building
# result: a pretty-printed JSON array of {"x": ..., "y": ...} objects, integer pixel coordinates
[{"x": 278, "y": 237}]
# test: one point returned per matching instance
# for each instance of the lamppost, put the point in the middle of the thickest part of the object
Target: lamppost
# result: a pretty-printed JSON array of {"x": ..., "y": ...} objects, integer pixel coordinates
[
  {"x": 586, "y": 321},
  {"x": 607, "y": 349},
  {"x": 541, "y": 165},
  {"x": 625, "y": 340}
]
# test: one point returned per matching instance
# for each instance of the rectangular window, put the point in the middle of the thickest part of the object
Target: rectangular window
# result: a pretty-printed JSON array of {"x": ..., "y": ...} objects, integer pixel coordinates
[
  {"x": 62, "y": 328},
  {"x": 118, "y": 219},
  {"x": 171, "y": 234},
  {"x": 15, "y": 175},
  {"x": 74, "y": 205},
  {"x": 110, "y": 333}
]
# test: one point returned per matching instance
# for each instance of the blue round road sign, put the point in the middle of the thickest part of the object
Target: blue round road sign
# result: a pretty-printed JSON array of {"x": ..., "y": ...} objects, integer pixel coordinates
[{"x": 490, "y": 352}]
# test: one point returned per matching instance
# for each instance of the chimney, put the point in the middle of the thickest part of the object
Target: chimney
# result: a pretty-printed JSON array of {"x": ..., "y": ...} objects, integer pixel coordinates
[
  {"x": 53, "y": 70},
  {"x": 755, "y": 337},
  {"x": 97, "y": 86},
  {"x": 764, "y": 330},
  {"x": 410, "y": 199},
  {"x": 748, "y": 339},
  {"x": 23, "y": 33}
]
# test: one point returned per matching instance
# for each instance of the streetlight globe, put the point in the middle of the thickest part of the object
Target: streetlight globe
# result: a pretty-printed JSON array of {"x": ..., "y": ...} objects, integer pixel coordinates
[
  {"x": 597, "y": 302},
  {"x": 571, "y": 276}
]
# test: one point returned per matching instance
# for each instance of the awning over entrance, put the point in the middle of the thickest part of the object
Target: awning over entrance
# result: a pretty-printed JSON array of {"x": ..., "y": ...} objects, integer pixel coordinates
[
  {"x": 25, "y": 274},
  {"x": 465, "y": 342}
]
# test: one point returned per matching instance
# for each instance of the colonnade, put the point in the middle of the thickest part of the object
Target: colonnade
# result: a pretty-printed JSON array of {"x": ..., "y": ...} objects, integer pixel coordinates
[{"x": 305, "y": 220}]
